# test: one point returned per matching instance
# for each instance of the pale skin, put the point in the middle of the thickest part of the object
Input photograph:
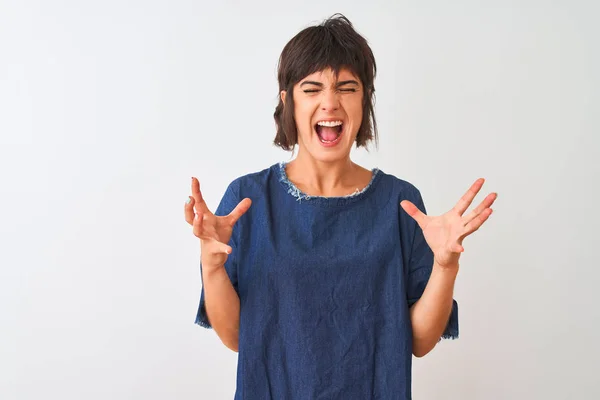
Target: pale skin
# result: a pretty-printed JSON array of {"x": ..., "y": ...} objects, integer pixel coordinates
[
  {"x": 214, "y": 232},
  {"x": 444, "y": 234},
  {"x": 328, "y": 171}
]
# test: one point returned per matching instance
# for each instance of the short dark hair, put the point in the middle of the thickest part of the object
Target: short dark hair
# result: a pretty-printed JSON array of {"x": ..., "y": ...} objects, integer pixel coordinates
[{"x": 332, "y": 44}]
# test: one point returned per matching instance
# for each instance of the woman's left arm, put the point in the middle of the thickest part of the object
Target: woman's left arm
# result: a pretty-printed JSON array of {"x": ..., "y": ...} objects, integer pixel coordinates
[
  {"x": 444, "y": 234},
  {"x": 430, "y": 314}
]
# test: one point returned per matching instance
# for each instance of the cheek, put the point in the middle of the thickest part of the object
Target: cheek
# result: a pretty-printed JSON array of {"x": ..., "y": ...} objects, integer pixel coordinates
[
  {"x": 304, "y": 115},
  {"x": 355, "y": 110}
]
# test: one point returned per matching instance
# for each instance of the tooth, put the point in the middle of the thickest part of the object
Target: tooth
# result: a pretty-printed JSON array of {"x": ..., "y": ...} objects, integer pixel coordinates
[{"x": 329, "y": 123}]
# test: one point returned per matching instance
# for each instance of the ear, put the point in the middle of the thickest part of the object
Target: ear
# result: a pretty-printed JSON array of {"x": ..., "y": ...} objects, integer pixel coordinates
[{"x": 282, "y": 95}]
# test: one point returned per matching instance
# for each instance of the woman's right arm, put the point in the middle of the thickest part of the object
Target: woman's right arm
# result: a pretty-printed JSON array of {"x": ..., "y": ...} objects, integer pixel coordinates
[
  {"x": 222, "y": 305},
  {"x": 221, "y": 301}
]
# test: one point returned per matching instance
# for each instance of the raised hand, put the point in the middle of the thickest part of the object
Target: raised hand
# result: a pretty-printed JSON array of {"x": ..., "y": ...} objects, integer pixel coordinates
[
  {"x": 213, "y": 231},
  {"x": 445, "y": 233}
]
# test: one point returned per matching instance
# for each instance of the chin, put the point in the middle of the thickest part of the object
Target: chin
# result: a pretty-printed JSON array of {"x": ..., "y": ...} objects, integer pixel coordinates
[{"x": 330, "y": 155}]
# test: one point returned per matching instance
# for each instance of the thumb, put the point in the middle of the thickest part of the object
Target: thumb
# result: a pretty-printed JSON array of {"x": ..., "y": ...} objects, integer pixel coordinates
[
  {"x": 413, "y": 211},
  {"x": 225, "y": 248},
  {"x": 239, "y": 210},
  {"x": 215, "y": 247}
]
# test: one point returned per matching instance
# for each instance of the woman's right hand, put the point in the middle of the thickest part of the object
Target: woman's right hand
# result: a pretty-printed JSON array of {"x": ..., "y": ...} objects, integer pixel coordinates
[{"x": 213, "y": 231}]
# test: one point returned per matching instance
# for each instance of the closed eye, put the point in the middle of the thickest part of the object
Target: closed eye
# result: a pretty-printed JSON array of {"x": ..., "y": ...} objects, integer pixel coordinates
[{"x": 351, "y": 90}]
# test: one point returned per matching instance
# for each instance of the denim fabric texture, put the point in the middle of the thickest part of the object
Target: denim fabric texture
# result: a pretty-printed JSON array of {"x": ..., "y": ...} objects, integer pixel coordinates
[{"x": 325, "y": 286}]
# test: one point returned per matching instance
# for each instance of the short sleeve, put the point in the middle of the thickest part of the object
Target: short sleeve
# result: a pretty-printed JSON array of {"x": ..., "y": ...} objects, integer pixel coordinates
[
  {"x": 227, "y": 204},
  {"x": 419, "y": 271}
]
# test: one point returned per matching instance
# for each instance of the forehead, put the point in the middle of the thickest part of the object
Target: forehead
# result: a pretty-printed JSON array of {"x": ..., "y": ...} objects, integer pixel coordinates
[{"x": 327, "y": 75}]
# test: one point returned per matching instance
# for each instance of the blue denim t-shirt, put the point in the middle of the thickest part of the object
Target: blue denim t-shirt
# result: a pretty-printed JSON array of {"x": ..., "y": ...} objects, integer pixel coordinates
[{"x": 325, "y": 285}]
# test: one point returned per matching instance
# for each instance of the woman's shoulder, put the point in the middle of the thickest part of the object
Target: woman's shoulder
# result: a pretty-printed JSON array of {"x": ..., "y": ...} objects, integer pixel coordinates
[
  {"x": 254, "y": 181},
  {"x": 402, "y": 187}
]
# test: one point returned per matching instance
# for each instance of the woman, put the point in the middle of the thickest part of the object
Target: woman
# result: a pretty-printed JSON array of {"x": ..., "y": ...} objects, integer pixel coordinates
[{"x": 325, "y": 276}]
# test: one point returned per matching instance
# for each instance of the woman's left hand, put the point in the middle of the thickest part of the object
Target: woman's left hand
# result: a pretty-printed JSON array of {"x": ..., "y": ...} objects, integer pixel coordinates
[{"x": 445, "y": 233}]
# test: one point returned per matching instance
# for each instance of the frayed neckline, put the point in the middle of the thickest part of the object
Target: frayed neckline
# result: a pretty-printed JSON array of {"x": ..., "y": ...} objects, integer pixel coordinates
[{"x": 300, "y": 195}]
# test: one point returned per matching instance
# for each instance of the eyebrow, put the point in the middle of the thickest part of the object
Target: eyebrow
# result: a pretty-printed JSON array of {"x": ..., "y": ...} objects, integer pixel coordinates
[{"x": 341, "y": 83}]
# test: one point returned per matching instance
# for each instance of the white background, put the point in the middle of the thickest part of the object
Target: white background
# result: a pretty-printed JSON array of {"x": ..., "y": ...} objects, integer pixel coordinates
[{"x": 107, "y": 109}]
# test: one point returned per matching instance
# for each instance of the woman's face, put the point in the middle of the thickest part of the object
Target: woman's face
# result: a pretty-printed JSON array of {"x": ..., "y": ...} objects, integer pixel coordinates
[{"x": 328, "y": 113}]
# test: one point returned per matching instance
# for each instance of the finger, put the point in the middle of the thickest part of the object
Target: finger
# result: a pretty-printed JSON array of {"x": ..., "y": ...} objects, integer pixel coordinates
[
  {"x": 222, "y": 247},
  {"x": 457, "y": 248},
  {"x": 466, "y": 200},
  {"x": 198, "y": 227},
  {"x": 478, "y": 221},
  {"x": 486, "y": 203},
  {"x": 239, "y": 210},
  {"x": 213, "y": 246},
  {"x": 188, "y": 210},
  {"x": 414, "y": 212},
  {"x": 197, "y": 194}
]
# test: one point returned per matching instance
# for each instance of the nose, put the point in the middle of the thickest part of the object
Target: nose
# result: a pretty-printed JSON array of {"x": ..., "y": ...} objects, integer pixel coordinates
[{"x": 330, "y": 101}]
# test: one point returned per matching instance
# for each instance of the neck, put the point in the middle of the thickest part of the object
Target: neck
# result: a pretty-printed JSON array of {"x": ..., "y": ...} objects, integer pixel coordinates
[{"x": 319, "y": 177}]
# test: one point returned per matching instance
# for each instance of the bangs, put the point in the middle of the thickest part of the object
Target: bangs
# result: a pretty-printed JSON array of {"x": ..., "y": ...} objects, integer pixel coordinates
[
  {"x": 321, "y": 49},
  {"x": 334, "y": 44}
]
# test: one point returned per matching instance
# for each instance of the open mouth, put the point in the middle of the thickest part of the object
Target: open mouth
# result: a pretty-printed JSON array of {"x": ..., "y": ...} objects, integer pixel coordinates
[{"x": 329, "y": 132}]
